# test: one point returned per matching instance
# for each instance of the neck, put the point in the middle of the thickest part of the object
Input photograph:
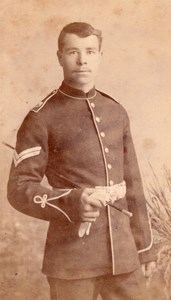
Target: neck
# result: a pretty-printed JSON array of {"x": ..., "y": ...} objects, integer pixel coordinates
[{"x": 85, "y": 88}]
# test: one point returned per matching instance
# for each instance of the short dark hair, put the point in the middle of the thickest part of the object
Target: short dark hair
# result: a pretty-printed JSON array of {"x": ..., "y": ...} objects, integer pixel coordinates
[{"x": 81, "y": 29}]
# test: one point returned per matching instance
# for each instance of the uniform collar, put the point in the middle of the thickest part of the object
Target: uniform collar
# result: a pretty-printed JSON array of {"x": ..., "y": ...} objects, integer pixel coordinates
[{"x": 76, "y": 94}]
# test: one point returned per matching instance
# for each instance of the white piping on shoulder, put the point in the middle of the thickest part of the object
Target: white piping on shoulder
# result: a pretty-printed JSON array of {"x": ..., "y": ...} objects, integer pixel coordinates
[
  {"x": 44, "y": 200},
  {"x": 42, "y": 103},
  {"x": 34, "y": 151}
]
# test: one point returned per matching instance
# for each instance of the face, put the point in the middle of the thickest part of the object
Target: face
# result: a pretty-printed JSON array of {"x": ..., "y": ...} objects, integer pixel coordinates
[{"x": 80, "y": 60}]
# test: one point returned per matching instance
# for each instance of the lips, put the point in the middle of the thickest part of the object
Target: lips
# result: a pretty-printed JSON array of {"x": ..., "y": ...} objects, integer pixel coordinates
[{"x": 82, "y": 71}]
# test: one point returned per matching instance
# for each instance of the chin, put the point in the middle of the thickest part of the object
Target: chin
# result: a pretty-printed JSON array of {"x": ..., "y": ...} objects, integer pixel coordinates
[
  {"x": 80, "y": 82},
  {"x": 83, "y": 80}
]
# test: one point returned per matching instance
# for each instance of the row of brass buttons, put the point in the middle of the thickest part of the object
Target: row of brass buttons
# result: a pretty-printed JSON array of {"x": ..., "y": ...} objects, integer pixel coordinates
[{"x": 106, "y": 149}]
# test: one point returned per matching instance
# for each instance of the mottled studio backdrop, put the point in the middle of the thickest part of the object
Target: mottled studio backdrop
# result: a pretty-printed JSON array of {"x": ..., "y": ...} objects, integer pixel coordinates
[{"x": 136, "y": 70}]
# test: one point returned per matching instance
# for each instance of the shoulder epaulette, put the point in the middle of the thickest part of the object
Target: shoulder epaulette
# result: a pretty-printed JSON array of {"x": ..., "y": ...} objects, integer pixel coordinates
[
  {"x": 106, "y": 95},
  {"x": 40, "y": 105}
]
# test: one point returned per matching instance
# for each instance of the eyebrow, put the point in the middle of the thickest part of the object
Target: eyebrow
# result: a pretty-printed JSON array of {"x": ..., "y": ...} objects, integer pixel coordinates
[{"x": 75, "y": 48}]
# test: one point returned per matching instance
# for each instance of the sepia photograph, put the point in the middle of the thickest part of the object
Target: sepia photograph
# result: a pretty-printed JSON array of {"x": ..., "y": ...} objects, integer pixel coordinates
[{"x": 85, "y": 150}]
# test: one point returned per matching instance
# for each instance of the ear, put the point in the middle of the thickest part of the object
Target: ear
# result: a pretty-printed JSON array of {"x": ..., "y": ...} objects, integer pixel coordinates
[{"x": 59, "y": 55}]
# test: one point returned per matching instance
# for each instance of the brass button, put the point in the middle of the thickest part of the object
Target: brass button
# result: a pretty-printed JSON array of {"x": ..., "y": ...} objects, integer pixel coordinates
[
  {"x": 109, "y": 166},
  {"x": 102, "y": 134},
  {"x": 97, "y": 119},
  {"x": 92, "y": 104},
  {"x": 111, "y": 182},
  {"x": 106, "y": 150}
]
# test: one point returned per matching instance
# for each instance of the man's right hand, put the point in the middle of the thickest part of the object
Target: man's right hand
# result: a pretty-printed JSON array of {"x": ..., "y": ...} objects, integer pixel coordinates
[{"x": 90, "y": 203}]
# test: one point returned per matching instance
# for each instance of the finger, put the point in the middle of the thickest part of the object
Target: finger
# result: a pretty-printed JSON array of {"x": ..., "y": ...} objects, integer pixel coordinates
[
  {"x": 94, "y": 197},
  {"x": 103, "y": 198},
  {"x": 99, "y": 198},
  {"x": 85, "y": 199},
  {"x": 91, "y": 214},
  {"x": 90, "y": 203},
  {"x": 89, "y": 220},
  {"x": 90, "y": 208},
  {"x": 93, "y": 201}
]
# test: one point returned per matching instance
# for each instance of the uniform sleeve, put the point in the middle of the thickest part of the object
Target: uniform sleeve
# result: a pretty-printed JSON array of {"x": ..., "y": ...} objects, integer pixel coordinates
[
  {"x": 25, "y": 191},
  {"x": 140, "y": 222}
]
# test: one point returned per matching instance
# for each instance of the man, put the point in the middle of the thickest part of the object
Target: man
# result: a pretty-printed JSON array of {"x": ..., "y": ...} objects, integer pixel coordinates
[{"x": 80, "y": 139}]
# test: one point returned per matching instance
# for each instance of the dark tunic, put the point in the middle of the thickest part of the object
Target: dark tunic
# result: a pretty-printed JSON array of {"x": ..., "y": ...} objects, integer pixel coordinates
[{"x": 80, "y": 140}]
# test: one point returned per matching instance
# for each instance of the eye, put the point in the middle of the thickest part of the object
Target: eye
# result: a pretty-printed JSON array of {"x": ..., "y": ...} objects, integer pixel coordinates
[
  {"x": 90, "y": 52},
  {"x": 73, "y": 52}
]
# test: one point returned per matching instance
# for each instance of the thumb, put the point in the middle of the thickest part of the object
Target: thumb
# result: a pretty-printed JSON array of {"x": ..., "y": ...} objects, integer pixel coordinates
[{"x": 89, "y": 191}]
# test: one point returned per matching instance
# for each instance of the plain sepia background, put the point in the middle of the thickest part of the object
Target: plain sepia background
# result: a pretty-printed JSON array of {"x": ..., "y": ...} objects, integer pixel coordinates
[{"x": 135, "y": 70}]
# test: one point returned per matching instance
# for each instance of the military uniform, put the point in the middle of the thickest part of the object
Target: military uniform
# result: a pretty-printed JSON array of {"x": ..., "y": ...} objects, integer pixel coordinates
[{"x": 81, "y": 140}]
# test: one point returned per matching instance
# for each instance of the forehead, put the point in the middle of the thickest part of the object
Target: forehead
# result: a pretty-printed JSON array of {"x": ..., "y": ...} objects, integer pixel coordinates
[{"x": 73, "y": 41}]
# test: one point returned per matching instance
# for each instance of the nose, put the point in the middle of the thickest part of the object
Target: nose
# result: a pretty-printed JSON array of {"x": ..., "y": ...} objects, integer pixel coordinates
[{"x": 81, "y": 59}]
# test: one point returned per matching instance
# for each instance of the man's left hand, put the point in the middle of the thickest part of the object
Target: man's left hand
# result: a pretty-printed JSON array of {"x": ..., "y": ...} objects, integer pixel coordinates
[{"x": 148, "y": 268}]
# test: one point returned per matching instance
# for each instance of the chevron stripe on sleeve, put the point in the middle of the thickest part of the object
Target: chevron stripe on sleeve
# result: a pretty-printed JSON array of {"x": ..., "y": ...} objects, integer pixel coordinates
[{"x": 34, "y": 151}]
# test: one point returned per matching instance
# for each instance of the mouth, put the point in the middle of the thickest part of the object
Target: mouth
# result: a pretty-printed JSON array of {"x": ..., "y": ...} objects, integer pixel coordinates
[{"x": 82, "y": 71}]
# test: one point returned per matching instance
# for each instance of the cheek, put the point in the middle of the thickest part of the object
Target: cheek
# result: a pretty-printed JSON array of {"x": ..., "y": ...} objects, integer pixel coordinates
[
  {"x": 95, "y": 65},
  {"x": 95, "y": 61},
  {"x": 67, "y": 67},
  {"x": 69, "y": 63}
]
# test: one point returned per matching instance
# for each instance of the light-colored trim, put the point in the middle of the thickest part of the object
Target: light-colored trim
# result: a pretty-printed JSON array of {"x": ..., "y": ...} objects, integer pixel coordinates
[
  {"x": 78, "y": 98},
  {"x": 100, "y": 140},
  {"x": 107, "y": 183},
  {"x": 44, "y": 200},
  {"x": 111, "y": 240},
  {"x": 27, "y": 151},
  {"x": 41, "y": 104},
  {"x": 151, "y": 243},
  {"x": 34, "y": 151}
]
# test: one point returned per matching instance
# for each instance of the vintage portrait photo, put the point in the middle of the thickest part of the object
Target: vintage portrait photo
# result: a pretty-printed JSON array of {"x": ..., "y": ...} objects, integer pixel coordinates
[{"x": 85, "y": 150}]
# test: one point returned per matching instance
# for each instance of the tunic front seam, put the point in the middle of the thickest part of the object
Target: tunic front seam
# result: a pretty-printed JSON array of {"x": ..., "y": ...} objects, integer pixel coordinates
[{"x": 107, "y": 183}]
